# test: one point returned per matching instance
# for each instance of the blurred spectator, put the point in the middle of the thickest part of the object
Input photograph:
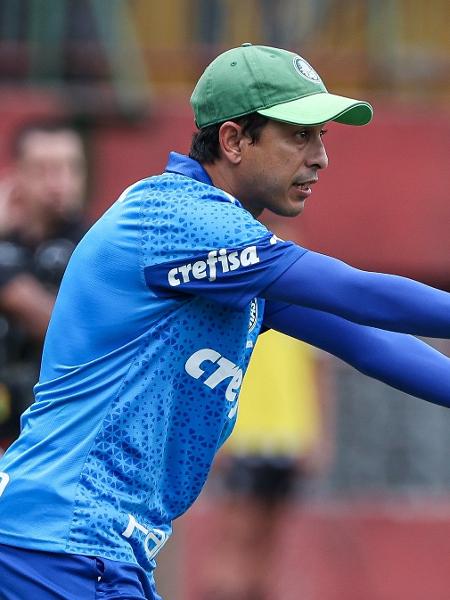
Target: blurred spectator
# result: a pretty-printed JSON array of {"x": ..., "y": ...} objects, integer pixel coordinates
[
  {"x": 282, "y": 438},
  {"x": 41, "y": 205}
]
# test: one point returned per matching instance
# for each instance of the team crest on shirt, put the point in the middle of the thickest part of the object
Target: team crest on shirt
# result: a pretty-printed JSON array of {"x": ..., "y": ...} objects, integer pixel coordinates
[
  {"x": 304, "y": 69},
  {"x": 253, "y": 314}
]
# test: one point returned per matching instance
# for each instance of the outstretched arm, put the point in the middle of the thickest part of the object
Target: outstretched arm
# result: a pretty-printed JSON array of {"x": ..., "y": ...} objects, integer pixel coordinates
[
  {"x": 402, "y": 361},
  {"x": 389, "y": 302}
]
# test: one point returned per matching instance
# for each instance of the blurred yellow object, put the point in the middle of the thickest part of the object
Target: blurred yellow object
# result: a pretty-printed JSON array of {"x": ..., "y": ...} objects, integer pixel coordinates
[{"x": 278, "y": 406}]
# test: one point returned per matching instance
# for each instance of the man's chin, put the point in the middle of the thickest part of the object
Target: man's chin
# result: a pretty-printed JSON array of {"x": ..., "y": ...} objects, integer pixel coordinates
[
  {"x": 294, "y": 209},
  {"x": 291, "y": 208}
]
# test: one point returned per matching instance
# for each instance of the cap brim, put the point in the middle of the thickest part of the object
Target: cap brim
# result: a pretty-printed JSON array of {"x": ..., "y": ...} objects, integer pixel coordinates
[{"x": 320, "y": 108}]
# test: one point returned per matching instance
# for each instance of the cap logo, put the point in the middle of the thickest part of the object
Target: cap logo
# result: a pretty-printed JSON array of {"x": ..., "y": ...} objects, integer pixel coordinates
[{"x": 304, "y": 69}]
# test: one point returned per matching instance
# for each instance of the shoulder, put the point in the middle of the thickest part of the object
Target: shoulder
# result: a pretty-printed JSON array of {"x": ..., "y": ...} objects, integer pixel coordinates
[{"x": 199, "y": 215}]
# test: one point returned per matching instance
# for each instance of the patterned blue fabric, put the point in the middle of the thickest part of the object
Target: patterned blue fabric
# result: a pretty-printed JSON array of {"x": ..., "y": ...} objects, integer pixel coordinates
[{"x": 140, "y": 379}]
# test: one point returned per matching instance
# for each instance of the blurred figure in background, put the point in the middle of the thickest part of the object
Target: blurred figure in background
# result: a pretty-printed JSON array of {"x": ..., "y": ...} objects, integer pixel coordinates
[
  {"x": 283, "y": 437},
  {"x": 41, "y": 208}
]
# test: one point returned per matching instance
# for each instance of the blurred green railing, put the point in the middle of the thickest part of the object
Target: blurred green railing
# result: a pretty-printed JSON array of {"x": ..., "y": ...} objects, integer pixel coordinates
[
  {"x": 87, "y": 47},
  {"x": 91, "y": 46}
]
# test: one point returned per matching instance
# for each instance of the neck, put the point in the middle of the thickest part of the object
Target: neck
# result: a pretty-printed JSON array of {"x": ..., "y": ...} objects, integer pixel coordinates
[
  {"x": 31, "y": 226},
  {"x": 223, "y": 178}
]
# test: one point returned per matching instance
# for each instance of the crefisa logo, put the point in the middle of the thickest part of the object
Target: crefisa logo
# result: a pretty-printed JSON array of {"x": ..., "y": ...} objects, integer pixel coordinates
[
  {"x": 305, "y": 69},
  {"x": 215, "y": 262},
  {"x": 253, "y": 314}
]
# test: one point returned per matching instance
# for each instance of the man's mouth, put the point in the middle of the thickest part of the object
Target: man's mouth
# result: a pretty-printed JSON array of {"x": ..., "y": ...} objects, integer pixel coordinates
[{"x": 304, "y": 187}]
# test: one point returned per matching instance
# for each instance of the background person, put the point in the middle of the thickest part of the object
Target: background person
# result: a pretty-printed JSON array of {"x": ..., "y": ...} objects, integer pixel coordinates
[
  {"x": 41, "y": 219},
  {"x": 283, "y": 437}
]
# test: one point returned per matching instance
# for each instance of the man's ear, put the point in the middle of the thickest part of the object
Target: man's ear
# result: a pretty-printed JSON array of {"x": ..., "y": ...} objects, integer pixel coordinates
[{"x": 230, "y": 140}]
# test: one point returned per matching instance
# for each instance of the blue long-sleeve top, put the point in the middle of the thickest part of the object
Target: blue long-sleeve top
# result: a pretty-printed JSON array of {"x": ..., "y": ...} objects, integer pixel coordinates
[{"x": 364, "y": 318}]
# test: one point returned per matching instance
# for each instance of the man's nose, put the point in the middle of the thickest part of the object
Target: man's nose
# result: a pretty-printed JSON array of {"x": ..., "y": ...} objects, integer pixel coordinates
[{"x": 318, "y": 157}]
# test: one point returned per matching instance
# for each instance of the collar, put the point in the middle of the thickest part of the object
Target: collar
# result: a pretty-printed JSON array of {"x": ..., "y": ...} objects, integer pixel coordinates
[{"x": 183, "y": 165}]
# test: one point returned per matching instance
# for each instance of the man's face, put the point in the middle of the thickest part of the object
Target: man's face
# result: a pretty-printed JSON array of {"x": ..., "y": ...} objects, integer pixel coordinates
[
  {"x": 278, "y": 170},
  {"x": 51, "y": 174}
]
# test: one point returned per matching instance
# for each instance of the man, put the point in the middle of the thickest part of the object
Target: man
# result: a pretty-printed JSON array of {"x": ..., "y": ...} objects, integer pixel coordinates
[
  {"x": 155, "y": 322},
  {"x": 41, "y": 206}
]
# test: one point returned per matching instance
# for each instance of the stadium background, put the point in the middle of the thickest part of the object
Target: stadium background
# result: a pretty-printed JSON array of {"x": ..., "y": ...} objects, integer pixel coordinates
[{"x": 378, "y": 526}]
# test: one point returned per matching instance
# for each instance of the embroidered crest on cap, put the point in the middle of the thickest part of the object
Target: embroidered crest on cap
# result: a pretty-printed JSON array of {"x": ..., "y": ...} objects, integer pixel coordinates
[{"x": 305, "y": 69}]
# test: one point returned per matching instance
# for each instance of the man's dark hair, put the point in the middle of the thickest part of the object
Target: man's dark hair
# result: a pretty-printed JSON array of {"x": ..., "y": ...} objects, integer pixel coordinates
[
  {"x": 39, "y": 126},
  {"x": 205, "y": 147}
]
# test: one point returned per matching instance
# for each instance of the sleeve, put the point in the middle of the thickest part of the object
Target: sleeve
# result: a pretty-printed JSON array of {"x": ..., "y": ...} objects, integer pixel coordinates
[
  {"x": 228, "y": 275},
  {"x": 384, "y": 301},
  {"x": 199, "y": 241},
  {"x": 401, "y": 361}
]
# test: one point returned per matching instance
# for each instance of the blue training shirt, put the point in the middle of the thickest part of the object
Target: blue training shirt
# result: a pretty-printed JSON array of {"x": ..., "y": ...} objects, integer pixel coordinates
[{"x": 143, "y": 361}]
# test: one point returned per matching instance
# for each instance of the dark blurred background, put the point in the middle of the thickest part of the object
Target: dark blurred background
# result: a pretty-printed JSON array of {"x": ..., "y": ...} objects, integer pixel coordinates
[{"x": 376, "y": 526}]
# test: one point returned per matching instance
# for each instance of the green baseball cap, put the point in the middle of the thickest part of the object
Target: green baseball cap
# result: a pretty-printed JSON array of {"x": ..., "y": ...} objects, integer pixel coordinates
[{"x": 276, "y": 83}]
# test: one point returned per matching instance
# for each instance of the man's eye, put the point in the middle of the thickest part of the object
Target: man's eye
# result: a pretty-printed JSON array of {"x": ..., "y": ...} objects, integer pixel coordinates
[
  {"x": 323, "y": 132},
  {"x": 302, "y": 134}
]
